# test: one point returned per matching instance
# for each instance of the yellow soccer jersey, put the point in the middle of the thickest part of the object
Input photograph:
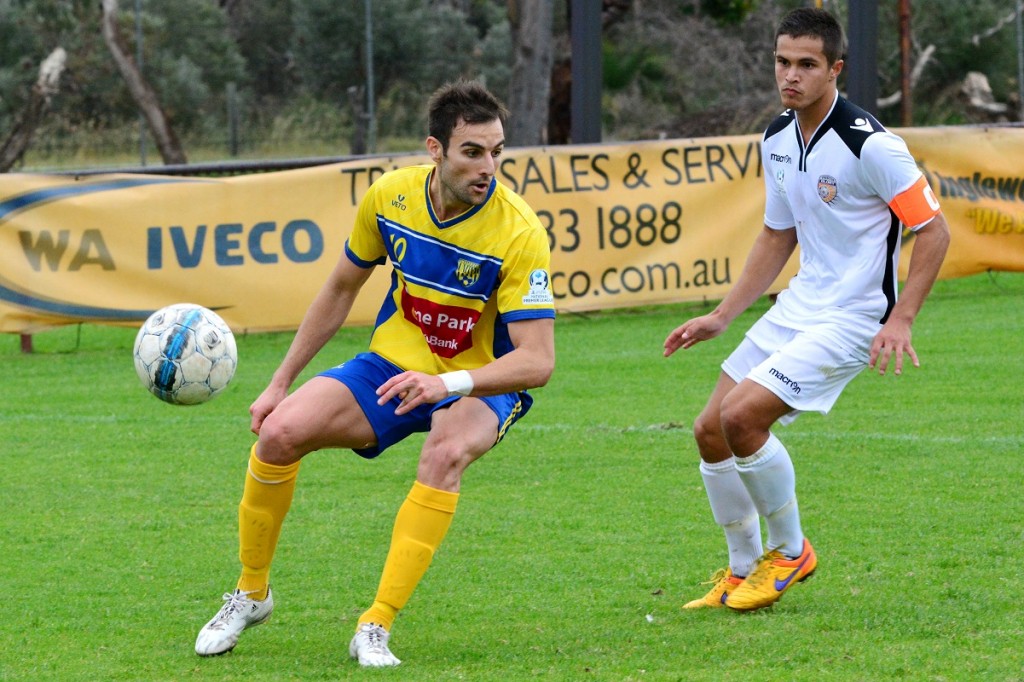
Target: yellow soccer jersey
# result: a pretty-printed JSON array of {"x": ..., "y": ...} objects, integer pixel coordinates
[{"x": 456, "y": 284}]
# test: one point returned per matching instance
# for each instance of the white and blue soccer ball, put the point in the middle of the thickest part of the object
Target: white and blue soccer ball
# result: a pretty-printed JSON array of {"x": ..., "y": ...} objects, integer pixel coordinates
[{"x": 185, "y": 354}]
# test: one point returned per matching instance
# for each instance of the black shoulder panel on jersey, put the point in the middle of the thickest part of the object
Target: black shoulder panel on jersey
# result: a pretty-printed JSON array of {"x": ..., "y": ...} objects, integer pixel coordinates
[
  {"x": 779, "y": 124},
  {"x": 853, "y": 125}
]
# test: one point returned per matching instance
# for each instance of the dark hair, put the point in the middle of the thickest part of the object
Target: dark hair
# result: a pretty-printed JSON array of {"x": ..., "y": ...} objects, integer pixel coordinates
[
  {"x": 815, "y": 23},
  {"x": 462, "y": 100}
]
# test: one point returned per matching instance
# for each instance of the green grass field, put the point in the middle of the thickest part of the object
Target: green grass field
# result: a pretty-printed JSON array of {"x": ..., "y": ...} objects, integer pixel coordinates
[{"x": 576, "y": 541}]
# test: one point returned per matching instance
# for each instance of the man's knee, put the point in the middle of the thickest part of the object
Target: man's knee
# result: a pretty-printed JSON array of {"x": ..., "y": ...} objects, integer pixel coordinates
[
  {"x": 444, "y": 454},
  {"x": 706, "y": 431},
  {"x": 278, "y": 442}
]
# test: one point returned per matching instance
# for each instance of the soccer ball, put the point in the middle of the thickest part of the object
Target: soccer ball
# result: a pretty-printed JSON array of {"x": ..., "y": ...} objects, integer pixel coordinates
[{"x": 185, "y": 354}]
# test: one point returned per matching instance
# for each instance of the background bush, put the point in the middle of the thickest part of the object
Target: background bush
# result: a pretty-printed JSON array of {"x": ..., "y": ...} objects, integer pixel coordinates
[{"x": 675, "y": 68}]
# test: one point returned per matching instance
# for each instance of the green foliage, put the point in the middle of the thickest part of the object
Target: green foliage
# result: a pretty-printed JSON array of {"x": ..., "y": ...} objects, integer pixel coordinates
[
  {"x": 20, "y": 51},
  {"x": 950, "y": 27},
  {"x": 411, "y": 66},
  {"x": 416, "y": 47},
  {"x": 495, "y": 61},
  {"x": 728, "y": 11},
  {"x": 309, "y": 118},
  {"x": 576, "y": 541},
  {"x": 625, "y": 64},
  {"x": 681, "y": 69},
  {"x": 264, "y": 33},
  {"x": 484, "y": 15},
  {"x": 329, "y": 46},
  {"x": 190, "y": 58}
]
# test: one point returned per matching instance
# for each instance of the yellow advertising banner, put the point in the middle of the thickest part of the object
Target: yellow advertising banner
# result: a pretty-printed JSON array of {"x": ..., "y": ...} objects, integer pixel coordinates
[
  {"x": 113, "y": 248},
  {"x": 629, "y": 224},
  {"x": 649, "y": 222},
  {"x": 978, "y": 177}
]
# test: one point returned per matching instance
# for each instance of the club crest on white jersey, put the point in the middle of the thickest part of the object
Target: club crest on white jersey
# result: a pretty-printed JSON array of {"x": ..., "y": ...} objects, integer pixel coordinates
[{"x": 828, "y": 189}]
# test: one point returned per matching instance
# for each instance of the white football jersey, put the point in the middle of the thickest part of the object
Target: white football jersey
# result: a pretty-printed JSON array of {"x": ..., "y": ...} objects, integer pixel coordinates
[{"x": 847, "y": 193}]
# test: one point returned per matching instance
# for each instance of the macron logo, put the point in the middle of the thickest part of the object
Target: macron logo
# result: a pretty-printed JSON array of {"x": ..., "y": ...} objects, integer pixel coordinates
[
  {"x": 862, "y": 124},
  {"x": 786, "y": 381}
]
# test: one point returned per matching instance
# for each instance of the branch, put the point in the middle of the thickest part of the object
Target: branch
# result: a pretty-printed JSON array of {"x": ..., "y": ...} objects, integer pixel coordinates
[
  {"x": 46, "y": 86},
  {"x": 915, "y": 76},
  {"x": 141, "y": 91},
  {"x": 978, "y": 37},
  {"x": 50, "y": 71}
]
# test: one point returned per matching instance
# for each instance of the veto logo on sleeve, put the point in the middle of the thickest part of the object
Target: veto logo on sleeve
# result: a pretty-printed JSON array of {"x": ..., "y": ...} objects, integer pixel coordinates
[{"x": 447, "y": 329}]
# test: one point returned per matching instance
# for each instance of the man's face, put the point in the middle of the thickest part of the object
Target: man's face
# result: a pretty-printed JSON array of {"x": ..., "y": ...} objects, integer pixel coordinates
[
  {"x": 466, "y": 170},
  {"x": 802, "y": 73}
]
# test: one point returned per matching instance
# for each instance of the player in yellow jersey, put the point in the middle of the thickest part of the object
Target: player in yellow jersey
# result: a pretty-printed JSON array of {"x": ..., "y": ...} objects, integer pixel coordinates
[{"x": 466, "y": 328}]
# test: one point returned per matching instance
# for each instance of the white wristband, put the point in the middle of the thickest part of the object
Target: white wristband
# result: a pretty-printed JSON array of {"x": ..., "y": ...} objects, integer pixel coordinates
[{"x": 457, "y": 383}]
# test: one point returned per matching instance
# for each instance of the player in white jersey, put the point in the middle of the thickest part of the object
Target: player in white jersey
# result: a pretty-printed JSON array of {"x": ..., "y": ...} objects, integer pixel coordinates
[{"x": 841, "y": 186}]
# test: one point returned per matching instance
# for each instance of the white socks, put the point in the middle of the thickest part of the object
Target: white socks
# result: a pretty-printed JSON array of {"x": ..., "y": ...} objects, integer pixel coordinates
[
  {"x": 769, "y": 478},
  {"x": 734, "y": 511}
]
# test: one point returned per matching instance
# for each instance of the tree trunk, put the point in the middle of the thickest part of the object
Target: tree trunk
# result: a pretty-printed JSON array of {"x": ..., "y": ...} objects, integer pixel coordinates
[
  {"x": 39, "y": 99},
  {"x": 159, "y": 124},
  {"x": 560, "y": 105},
  {"x": 532, "y": 24}
]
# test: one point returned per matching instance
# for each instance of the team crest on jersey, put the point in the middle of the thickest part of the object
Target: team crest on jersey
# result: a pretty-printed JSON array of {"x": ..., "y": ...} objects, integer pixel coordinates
[
  {"x": 467, "y": 271},
  {"x": 827, "y": 188}
]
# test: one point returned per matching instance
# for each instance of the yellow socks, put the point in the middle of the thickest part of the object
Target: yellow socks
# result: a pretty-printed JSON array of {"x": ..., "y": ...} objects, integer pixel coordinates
[
  {"x": 421, "y": 524},
  {"x": 265, "y": 502}
]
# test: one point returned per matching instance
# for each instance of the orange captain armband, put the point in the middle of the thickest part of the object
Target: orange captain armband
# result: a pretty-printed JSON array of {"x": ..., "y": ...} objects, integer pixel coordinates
[{"x": 916, "y": 204}]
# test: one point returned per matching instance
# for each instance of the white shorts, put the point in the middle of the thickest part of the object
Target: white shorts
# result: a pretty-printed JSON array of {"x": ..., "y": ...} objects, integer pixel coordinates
[{"x": 806, "y": 369}]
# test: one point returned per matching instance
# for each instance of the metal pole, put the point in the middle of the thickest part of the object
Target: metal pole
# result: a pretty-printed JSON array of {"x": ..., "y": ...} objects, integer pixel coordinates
[
  {"x": 371, "y": 129},
  {"x": 862, "y": 66},
  {"x": 906, "y": 107},
  {"x": 232, "y": 97},
  {"x": 1020, "y": 59},
  {"x": 585, "y": 36},
  {"x": 138, "y": 58}
]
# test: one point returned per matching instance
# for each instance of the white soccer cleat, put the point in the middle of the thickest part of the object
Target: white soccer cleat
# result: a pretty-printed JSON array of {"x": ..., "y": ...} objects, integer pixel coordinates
[
  {"x": 239, "y": 612},
  {"x": 370, "y": 647}
]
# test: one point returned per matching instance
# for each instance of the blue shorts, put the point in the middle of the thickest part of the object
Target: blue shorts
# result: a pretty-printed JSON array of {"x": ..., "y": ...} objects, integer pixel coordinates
[{"x": 365, "y": 373}]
